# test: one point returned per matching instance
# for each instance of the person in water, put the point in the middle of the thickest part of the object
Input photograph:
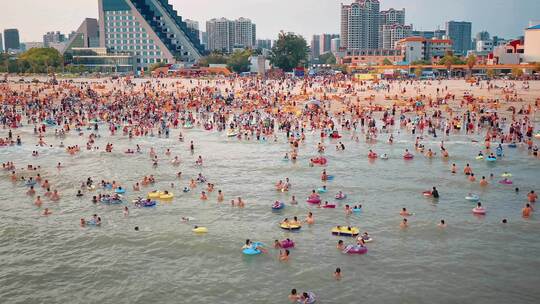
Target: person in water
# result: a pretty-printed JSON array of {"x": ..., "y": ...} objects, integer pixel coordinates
[
  {"x": 527, "y": 211},
  {"x": 442, "y": 224},
  {"x": 340, "y": 245},
  {"x": 404, "y": 224},
  {"x": 294, "y": 297},
  {"x": 284, "y": 255},
  {"x": 435, "y": 193},
  {"x": 337, "y": 274}
]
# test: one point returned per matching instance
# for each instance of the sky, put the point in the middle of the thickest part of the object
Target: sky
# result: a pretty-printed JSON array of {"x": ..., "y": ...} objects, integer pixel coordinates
[{"x": 505, "y": 18}]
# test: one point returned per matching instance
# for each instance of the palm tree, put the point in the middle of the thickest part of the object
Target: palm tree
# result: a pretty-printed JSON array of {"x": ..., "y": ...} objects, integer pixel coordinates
[{"x": 471, "y": 61}]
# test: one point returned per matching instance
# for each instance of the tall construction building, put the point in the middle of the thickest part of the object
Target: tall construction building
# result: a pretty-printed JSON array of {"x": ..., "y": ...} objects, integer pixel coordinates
[
  {"x": 225, "y": 35},
  {"x": 151, "y": 30},
  {"x": 360, "y": 25},
  {"x": 315, "y": 46},
  {"x": 325, "y": 43}
]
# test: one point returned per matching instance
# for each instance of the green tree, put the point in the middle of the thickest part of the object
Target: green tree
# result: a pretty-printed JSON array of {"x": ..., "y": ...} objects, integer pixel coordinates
[
  {"x": 418, "y": 72},
  {"x": 239, "y": 61},
  {"x": 421, "y": 62},
  {"x": 327, "y": 58},
  {"x": 490, "y": 73},
  {"x": 387, "y": 61},
  {"x": 517, "y": 72},
  {"x": 289, "y": 52},
  {"x": 40, "y": 60},
  {"x": 213, "y": 58},
  {"x": 471, "y": 62}
]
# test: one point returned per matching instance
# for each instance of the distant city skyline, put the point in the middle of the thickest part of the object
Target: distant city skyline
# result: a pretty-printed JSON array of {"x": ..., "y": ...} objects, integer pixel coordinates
[{"x": 35, "y": 18}]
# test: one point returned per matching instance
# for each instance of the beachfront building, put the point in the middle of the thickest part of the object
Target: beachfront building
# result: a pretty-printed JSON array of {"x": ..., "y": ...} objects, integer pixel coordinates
[
  {"x": 360, "y": 25},
  {"x": 99, "y": 60},
  {"x": 1, "y": 43},
  {"x": 460, "y": 34},
  {"x": 150, "y": 30},
  {"x": 532, "y": 43},
  {"x": 419, "y": 48},
  {"x": 510, "y": 53},
  {"x": 335, "y": 45},
  {"x": 358, "y": 58}
]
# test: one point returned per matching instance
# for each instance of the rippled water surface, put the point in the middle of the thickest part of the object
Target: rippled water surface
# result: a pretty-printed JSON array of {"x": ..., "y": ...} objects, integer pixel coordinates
[{"x": 53, "y": 260}]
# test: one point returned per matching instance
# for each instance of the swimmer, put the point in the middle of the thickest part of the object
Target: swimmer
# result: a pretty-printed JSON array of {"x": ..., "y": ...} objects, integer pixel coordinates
[
  {"x": 340, "y": 246},
  {"x": 83, "y": 222},
  {"x": 442, "y": 224},
  {"x": 79, "y": 193},
  {"x": 46, "y": 212},
  {"x": 220, "y": 196},
  {"x": 337, "y": 274},
  {"x": 294, "y": 297},
  {"x": 348, "y": 210},
  {"x": 31, "y": 191},
  {"x": 435, "y": 193},
  {"x": 126, "y": 211},
  {"x": 203, "y": 196},
  {"x": 38, "y": 201},
  {"x": 404, "y": 224},
  {"x": 483, "y": 181},
  {"x": 472, "y": 178},
  {"x": 293, "y": 200},
  {"x": 277, "y": 244},
  {"x": 284, "y": 255},
  {"x": 504, "y": 221},
  {"x": 532, "y": 197},
  {"x": 309, "y": 219},
  {"x": 404, "y": 212},
  {"x": 527, "y": 210}
]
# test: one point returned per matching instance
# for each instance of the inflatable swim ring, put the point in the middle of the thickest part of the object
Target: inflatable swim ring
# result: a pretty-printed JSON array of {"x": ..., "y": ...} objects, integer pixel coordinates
[
  {"x": 372, "y": 155},
  {"x": 506, "y": 174},
  {"x": 479, "y": 157},
  {"x": 357, "y": 210},
  {"x": 480, "y": 211},
  {"x": 472, "y": 197},
  {"x": 278, "y": 206},
  {"x": 200, "y": 230},
  {"x": 29, "y": 183},
  {"x": 311, "y": 298},
  {"x": 355, "y": 249},
  {"x": 252, "y": 249},
  {"x": 329, "y": 206},
  {"x": 342, "y": 230},
  {"x": 164, "y": 196},
  {"x": 322, "y": 190},
  {"x": 120, "y": 191},
  {"x": 512, "y": 145},
  {"x": 427, "y": 193},
  {"x": 313, "y": 200},
  {"x": 491, "y": 159},
  {"x": 287, "y": 244},
  {"x": 289, "y": 226},
  {"x": 231, "y": 134},
  {"x": 384, "y": 156},
  {"x": 341, "y": 196},
  {"x": 154, "y": 194},
  {"x": 329, "y": 177},
  {"x": 505, "y": 182},
  {"x": 408, "y": 156}
]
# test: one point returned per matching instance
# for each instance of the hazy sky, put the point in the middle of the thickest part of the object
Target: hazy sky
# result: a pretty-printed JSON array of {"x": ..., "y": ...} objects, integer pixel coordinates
[{"x": 506, "y": 18}]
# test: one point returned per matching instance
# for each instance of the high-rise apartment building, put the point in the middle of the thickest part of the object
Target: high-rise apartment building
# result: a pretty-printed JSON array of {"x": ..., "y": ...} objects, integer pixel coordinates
[
  {"x": 325, "y": 43},
  {"x": 316, "y": 46},
  {"x": 151, "y": 30},
  {"x": 225, "y": 35},
  {"x": 1, "y": 43},
  {"x": 264, "y": 44},
  {"x": 393, "y": 33},
  {"x": 390, "y": 17},
  {"x": 53, "y": 37},
  {"x": 460, "y": 34},
  {"x": 11, "y": 39},
  {"x": 360, "y": 25}
]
